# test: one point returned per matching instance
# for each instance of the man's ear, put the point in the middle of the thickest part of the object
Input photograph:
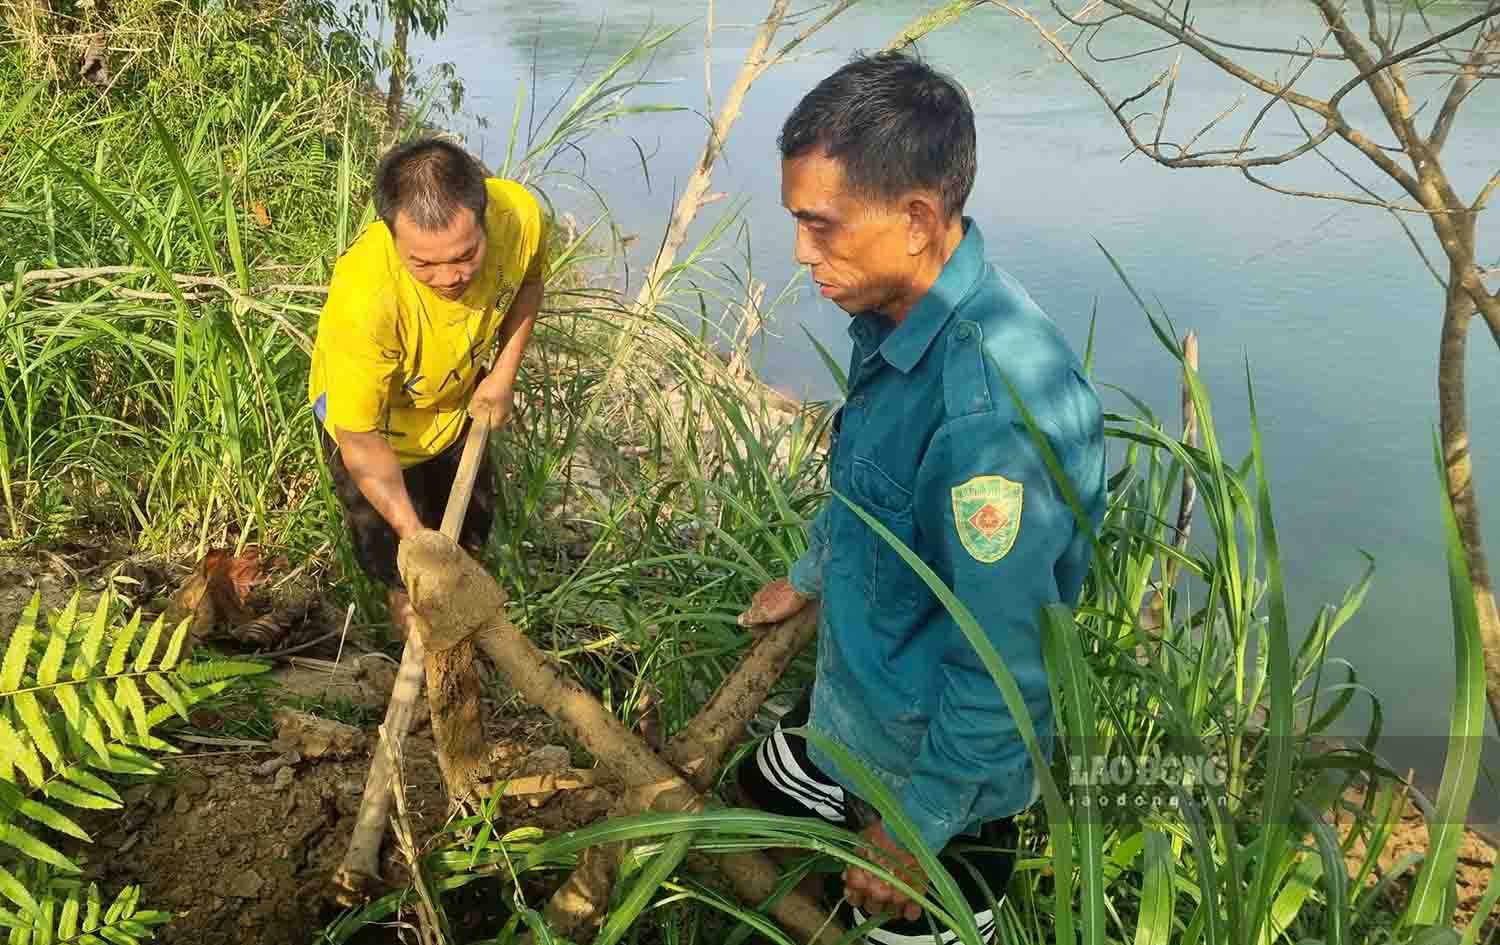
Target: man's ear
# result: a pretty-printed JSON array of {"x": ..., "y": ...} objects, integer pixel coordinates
[{"x": 924, "y": 219}]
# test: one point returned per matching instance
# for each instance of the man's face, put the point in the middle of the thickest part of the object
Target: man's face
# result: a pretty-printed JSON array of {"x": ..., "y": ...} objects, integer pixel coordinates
[
  {"x": 857, "y": 249},
  {"x": 445, "y": 260}
]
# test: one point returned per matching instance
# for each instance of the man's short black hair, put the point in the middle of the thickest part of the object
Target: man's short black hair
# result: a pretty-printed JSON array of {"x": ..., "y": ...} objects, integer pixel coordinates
[
  {"x": 431, "y": 180},
  {"x": 895, "y": 124}
]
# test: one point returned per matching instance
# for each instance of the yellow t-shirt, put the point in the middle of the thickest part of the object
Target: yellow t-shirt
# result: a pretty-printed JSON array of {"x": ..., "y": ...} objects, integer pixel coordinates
[{"x": 394, "y": 356}]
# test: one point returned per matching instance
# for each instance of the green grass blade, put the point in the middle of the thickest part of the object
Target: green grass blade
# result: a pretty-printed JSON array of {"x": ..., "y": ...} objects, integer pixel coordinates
[
  {"x": 1158, "y": 891},
  {"x": 1073, "y": 694},
  {"x": 834, "y": 369},
  {"x": 189, "y": 193},
  {"x": 1429, "y": 904},
  {"x": 661, "y": 866},
  {"x": 1276, "y": 798}
]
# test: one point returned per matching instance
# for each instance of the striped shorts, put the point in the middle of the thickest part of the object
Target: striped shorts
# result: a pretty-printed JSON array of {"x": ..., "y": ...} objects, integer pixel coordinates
[{"x": 778, "y": 777}]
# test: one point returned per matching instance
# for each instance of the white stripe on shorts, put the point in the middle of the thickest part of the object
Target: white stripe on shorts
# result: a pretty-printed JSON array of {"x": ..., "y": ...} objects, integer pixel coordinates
[{"x": 780, "y": 767}]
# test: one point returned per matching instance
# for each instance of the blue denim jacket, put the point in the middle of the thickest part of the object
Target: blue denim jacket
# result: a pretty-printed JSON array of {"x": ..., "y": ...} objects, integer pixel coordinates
[{"x": 927, "y": 417}]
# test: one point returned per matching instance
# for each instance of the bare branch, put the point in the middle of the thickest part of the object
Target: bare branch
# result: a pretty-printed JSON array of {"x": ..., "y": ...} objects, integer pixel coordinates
[
  {"x": 801, "y": 37},
  {"x": 1167, "y": 105},
  {"x": 1410, "y": 52},
  {"x": 1250, "y": 175},
  {"x": 1184, "y": 158},
  {"x": 1192, "y": 41},
  {"x": 708, "y": 61},
  {"x": 1484, "y": 195},
  {"x": 1296, "y": 77},
  {"x": 1390, "y": 207},
  {"x": 1376, "y": 37},
  {"x": 1463, "y": 85},
  {"x": 1271, "y": 50}
]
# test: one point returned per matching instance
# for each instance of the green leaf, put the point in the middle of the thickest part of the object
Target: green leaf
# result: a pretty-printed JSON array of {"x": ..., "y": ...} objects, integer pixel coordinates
[
  {"x": 657, "y": 871},
  {"x": 1429, "y": 905},
  {"x": 67, "y": 923},
  {"x": 20, "y": 753},
  {"x": 48, "y": 817},
  {"x": 128, "y": 696},
  {"x": 1073, "y": 694},
  {"x": 51, "y": 665},
  {"x": 121, "y": 649},
  {"x": 13, "y": 836},
  {"x": 209, "y": 671},
  {"x": 1158, "y": 892},
  {"x": 18, "y": 653},
  {"x": 107, "y": 710},
  {"x": 171, "y": 696},
  {"x": 91, "y": 782},
  {"x": 148, "y": 647},
  {"x": 1486, "y": 906},
  {"x": 32, "y": 716},
  {"x": 189, "y": 193},
  {"x": 1276, "y": 802},
  {"x": 77, "y": 797},
  {"x": 839, "y": 376},
  {"x": 91, "y": 909},
  {"x": 93, "y": 641},
  {"x": 174, "y": 646},
  {"x": 12, "y": 889}
]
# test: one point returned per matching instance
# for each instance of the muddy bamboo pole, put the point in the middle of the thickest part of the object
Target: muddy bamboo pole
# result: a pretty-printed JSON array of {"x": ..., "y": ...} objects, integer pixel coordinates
[
  {"x": 460, "y": 602},
  {"x": 449, "y": 677}
]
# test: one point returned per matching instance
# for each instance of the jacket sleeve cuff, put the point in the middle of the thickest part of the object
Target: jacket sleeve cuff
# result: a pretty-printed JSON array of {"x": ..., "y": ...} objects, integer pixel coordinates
[
  {"x": 806, "y": 576},
  {"x": 932, "y": 829}
]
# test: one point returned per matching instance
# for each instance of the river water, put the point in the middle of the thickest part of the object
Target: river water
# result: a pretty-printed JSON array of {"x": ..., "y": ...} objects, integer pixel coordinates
[{"x": 1328, "y": 302}]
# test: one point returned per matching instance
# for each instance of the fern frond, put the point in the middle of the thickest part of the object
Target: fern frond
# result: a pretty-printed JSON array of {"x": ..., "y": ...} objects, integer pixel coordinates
[
  {"x": 18, "y": 653},
  {"x": 65, "y": 912},
  {"x": 93, "y": 642},
  {"x": 121, "y": 650},
  {"x": 72, "y": 708},
  {"x": 219, "y": 670}
]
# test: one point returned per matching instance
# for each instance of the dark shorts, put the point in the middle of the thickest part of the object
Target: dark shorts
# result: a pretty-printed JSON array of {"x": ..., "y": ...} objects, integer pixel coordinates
[
  {"x": 778, "y": 777},
  {"x": 428, "y": 484}
]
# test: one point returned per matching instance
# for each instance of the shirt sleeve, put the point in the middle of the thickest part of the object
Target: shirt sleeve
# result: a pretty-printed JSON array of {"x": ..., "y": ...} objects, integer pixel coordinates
[
  {"x": 1004, "y": 577},
  {"x": 540, "y": 259},
  {"x": 361, "y": 358},
  {"x": 806, "y": 576}
]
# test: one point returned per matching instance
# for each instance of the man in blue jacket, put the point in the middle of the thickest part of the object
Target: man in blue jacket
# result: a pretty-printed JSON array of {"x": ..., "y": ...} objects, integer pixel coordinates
[{"x": 877, "y": 163}]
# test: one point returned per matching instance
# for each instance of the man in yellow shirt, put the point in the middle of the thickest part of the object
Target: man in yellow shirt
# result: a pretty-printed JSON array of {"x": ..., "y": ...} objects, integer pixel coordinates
[{"x": 451, "y": 270}]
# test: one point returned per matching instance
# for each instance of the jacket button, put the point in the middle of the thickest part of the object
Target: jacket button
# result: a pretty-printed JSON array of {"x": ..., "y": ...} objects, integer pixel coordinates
[{"x": 965, "y": 331}]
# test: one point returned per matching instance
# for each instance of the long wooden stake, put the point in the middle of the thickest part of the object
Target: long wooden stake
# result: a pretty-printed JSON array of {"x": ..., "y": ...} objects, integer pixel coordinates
[{"x": 358, "y": 875}]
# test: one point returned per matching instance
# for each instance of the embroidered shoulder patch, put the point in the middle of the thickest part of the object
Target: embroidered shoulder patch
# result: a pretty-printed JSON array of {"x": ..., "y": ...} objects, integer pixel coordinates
[{"x": 987, "y": 515}]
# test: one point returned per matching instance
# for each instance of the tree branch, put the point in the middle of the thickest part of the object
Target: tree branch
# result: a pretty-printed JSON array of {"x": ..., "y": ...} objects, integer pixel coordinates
[
  {"x": 1486, "y": 192},
  {"x": 1410, "y": 52},
  {"x": 1465, "y": 83},
  {"x": 801, "y": 37},
  {"x": 1390, "y": 207}
]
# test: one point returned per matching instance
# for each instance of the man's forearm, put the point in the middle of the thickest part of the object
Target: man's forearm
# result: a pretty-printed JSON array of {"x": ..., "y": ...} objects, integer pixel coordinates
[
  {"x": 373, "y": 466},
  {"x": 515, "y": 334}
]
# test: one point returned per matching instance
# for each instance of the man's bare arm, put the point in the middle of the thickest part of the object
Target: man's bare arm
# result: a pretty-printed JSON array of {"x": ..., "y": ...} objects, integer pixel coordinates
[{"x": 373, "y": 466}]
